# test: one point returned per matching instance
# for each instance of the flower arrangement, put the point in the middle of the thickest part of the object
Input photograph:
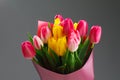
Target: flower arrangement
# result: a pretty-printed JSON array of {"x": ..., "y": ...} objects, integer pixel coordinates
[{"x": 63, "y": 46}]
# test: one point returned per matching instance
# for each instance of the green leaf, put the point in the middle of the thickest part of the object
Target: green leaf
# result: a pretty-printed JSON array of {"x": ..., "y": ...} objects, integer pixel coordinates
[
  {"x": 39, "y": 52},
  {"x": 49, "y": 26},
  {"x": 64, "y": 62},
  {"x": 78, "y": 62},
  {"x": 30, "y": 37},
  {"x": 49, "y": 58},
  {"x": 55, "y": 57},
  {"x": 40, "y": 55},
  {"x": 71, "y": 62},
  {"x": 89, "y": 52},
  {"x": 39, "y": 60},
  {"x": 84, "y": 49},
  {"x": 79, "y": 48},
  {"x": 65, "y": 57},
  {"x": 61, "y": 69}
]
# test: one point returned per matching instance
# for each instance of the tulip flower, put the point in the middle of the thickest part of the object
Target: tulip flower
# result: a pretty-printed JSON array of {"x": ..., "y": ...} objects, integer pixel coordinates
[
  {"x": 73, "y": 40},
  {"x": 28, "y": 50},
  {"x": 59, "y": 17},
  {"x": 40, "y": 25},
  {"x": 61, "y": 46},
  {"x": 44, "y": 31},
  {"x": 82, "y": 27},
  {"x": 57, "y": 31},
  {"x": 67, "y": 26},
  {"x": 95, "y": 34},
  {"x": 58, "y": 46},
  {"x": 37, "y": 42},
  {"x": 75, "y": 26}
]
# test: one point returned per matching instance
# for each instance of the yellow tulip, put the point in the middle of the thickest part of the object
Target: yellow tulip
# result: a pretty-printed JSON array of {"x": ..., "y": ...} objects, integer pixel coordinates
[
  {"x": 52, "y": 44},
  {"x": 61, "y": 46},
  {"x": 58, "y": 46},
  {"x": 57, "y": 31},
  {"x": 75, "y": 25},
  {"x": 58, "y": 41},
  {"x": 57, "y": 21}
]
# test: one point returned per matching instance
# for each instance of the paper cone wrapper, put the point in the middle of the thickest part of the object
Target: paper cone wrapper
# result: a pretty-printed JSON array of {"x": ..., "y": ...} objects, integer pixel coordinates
[{"x": 84, "y": 73}]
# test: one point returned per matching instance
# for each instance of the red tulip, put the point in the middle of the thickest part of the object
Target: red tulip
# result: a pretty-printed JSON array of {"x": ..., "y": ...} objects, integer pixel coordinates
[
  {"x": 44, "y": 31},
  {"x": 28, "y": 50},
  {"x": 73, "y": 40},
  {"x": 95, "y": 34},
  {"x": 82, "y": 28},
  {"x": 37, "y": 42},
  {"x": 67, "y": 26}
]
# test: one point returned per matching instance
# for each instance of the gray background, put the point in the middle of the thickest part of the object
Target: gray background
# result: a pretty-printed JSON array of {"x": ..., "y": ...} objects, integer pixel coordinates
[{"x": 17, "y": 17}]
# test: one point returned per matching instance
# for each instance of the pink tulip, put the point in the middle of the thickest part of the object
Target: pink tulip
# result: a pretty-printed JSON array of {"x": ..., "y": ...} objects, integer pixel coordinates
[
  {"x": 59, "y": 16},
  {"x": 82, "y": 28},
  {"x": 95, "y": 34},
  {"x": 37, "y": 42},
  {"x": 40, "y": 25},
  {"x": 67, "y": 26},
  {"x": 28, "y": 50},
  {"x": 73, "y": 40},
  {"x": 44, "y": 31}
]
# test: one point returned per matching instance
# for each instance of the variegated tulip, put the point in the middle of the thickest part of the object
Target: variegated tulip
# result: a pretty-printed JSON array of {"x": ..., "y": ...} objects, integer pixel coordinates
[
  {"x": 37, "y": 42},
  {"x": 73, "y": 41}
]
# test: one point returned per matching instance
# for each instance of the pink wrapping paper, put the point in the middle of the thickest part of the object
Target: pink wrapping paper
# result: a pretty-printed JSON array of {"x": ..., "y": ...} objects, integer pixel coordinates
[{"x": 85, "y": 73}]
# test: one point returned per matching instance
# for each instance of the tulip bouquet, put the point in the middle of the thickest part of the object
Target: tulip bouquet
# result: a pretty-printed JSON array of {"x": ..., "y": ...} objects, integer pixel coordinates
[{"x": 62, "y": 46}]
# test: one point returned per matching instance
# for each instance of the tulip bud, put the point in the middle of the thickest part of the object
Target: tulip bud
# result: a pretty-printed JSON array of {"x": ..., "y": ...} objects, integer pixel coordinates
[
  {"x": 28, "y": 50},
  {"x": 82, "y": 28},
  {"x": 95, "y": 34},
  {"x": 73, "y": 40},
  {"x": 37, "y": 42},
  {"x": 44, "y": 31},
  {"x": 67, "y": 26}
]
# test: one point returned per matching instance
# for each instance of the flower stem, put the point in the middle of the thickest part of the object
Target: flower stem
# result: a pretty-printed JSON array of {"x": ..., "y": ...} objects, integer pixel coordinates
[
  {"x": 92, "y": 46},
  {"x": 35, "y": 60}
]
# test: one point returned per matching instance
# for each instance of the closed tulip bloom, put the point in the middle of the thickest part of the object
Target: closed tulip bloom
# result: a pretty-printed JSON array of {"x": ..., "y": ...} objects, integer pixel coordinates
[
  {"x": 95, "y": 34},
  {"x": 82, "y": 27},
  {"x": 57, "y": 31},
  {"x": 37, "y": 42},
  {"x": 40, "y": 25},
  {"x": 44, "y": 31},
  {"x": 59, "y": 17},
  {"x": 58, "y": 46},
  {"x": 61, "y": 46},
  {"x": 67, "y": 26},
  {"x": 73, "y": 41},
  {"x": 28, "y": 50},
  {"x": 45, "y": 34}
]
